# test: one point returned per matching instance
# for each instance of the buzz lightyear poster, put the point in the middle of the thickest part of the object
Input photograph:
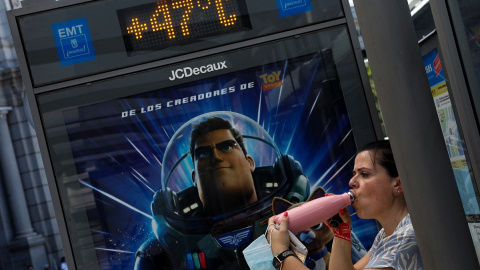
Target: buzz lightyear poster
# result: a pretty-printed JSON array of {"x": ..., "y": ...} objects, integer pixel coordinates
[{"x": 183, "y": 177}]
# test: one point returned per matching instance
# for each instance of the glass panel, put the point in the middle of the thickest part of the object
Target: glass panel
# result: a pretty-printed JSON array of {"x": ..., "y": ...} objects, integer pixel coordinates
[
  {"x": 454, "y": 142},
  {"x": 466, "y": 18},
  {"x": 121, "y": 150},
  {"x": 465, "y": 15}
]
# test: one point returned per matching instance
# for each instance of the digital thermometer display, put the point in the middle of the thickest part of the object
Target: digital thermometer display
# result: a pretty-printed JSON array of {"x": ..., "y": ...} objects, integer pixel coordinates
[{"x": 169, "y": 23}]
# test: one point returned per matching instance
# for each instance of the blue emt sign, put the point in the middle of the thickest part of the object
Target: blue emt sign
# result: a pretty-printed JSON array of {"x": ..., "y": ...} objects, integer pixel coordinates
[{"x": 73, "y": 40}]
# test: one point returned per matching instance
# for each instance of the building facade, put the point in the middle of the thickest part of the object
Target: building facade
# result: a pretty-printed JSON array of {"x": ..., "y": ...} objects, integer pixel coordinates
[{"x": 28, "y": 230}]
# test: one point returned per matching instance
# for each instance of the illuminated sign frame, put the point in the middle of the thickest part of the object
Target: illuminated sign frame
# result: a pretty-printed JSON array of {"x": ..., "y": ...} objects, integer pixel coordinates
[{"x": 114, "y": 73}]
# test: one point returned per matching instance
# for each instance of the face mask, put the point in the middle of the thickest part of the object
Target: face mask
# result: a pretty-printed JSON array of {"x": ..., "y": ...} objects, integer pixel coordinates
[{"x": 259, "y": 254}]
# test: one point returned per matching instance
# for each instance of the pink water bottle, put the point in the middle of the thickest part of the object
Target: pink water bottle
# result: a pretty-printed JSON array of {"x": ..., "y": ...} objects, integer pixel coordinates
[{"x": 316, "y": 211}]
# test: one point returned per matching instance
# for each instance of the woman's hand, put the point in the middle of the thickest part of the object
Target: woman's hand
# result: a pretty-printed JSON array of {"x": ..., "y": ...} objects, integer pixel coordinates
[
  {"x": 279, "y": 237},
  {"x": 345, "y": 215},
  {"x": 342, "y": 230}
]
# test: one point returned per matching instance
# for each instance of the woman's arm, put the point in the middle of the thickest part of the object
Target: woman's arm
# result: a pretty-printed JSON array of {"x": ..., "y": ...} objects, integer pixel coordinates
[
  {"x": 281, "y": 242},
  {"x": 341, "y": 253},
  {"x": 341, "y": 256}
]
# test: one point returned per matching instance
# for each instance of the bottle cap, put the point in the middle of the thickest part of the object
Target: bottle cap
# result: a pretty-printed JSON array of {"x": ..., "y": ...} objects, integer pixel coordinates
[{"x": 352, "y": 197}]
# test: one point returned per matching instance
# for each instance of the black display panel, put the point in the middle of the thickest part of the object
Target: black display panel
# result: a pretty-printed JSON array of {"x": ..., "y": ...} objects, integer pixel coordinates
[
  {"x": 85, "y": 39},
  {"x": 168, "y": 23}
]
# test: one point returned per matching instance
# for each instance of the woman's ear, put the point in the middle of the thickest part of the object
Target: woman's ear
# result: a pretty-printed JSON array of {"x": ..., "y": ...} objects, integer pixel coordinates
[{"x": 397, "y": 186}]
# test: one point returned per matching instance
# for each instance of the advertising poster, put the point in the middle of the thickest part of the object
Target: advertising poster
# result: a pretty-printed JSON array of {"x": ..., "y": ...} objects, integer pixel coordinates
[
  {"x": 151, "y": 197},
  {"x": 453, "y": 140}
]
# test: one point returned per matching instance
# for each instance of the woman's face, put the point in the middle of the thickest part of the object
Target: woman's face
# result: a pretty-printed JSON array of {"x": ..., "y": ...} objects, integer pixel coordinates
[{"x": 372, "y": 186}]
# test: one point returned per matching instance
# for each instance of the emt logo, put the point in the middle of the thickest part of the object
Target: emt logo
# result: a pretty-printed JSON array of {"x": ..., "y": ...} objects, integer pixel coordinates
[{"x": 73, "y": 40}]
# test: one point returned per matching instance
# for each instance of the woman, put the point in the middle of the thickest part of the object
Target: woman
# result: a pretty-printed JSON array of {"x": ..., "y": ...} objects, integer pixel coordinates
[{"x": 379, "y": 195}]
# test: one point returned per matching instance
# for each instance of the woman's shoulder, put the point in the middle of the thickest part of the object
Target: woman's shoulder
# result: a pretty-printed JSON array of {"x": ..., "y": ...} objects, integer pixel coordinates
[
  {"x": 408, "y": 254},
  {"x": 405, "y": 227},
  {"x": 399, "y": 250}
]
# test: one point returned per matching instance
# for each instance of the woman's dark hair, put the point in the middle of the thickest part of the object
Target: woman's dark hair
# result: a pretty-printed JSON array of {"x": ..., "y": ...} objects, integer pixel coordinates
[{"x": 382, "y": 153}]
